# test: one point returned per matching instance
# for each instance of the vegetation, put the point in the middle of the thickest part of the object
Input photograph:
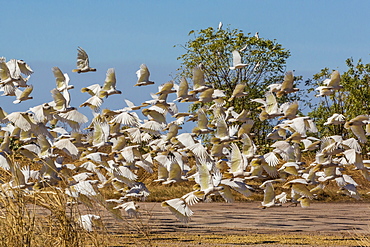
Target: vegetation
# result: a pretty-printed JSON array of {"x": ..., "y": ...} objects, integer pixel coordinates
[
  {"x": 351, "y": 101},
  {"x": 266, "y": 59},
  {"x": 255, "y": 239},
  {"x": 47, "y": 201}
]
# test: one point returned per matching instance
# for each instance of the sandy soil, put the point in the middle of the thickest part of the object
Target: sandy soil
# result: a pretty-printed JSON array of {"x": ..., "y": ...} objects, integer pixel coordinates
[
  {"x": 246, "y": 224},
  {"x": 237, "y": 218}
]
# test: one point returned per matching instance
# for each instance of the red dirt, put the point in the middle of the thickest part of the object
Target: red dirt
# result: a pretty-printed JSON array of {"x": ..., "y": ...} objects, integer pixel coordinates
[{"x": 237, "y": 218}]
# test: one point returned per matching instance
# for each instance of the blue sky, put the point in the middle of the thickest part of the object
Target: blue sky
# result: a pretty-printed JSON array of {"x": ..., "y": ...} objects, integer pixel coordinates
[{"x": 124, "y": 34}]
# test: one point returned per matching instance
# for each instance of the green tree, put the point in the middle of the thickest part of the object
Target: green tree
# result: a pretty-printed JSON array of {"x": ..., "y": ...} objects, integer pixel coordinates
[
  {"x": 352, "y": 100},
  {"x": 213, "y": 49}
]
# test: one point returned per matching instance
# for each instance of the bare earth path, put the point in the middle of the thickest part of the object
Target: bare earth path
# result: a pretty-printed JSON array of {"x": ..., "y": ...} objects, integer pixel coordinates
[
  {"x": 329, "y": 219},
  {"x": 216, "y": 217}
]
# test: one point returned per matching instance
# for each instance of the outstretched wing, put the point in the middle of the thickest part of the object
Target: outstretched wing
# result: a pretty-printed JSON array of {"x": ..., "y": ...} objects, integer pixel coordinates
[{"x": 82, "y": 58}]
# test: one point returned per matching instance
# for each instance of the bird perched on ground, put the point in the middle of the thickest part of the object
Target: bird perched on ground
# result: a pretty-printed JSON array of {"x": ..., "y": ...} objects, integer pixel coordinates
[{"x": 82, "y": 62}]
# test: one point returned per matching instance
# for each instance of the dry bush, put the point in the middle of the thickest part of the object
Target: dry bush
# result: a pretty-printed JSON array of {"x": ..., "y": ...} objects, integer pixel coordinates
[
  {"x": 331, "y": 193},
  {"x": 46, "y": 216},
  {"x": 42, "y": 219}
]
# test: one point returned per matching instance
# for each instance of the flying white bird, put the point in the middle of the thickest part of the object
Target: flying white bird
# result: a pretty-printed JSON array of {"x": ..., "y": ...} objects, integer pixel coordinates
[
  {"x": 62, "y": 80},
  {"x": 88, "y": 221},
  {"x": 199, "y": 84},
  {"x": 23, "y": 95},
  {"x": 109, "y": 86},
  {"x": 179, "y": 208},
  {"x": 238, "y": 91},
  {"x": 335, "y": 119},
  {"x": 143, "y": 76},
  {"x": 237, "y": 61},
  {"x": 287, "y": 85},
  {"x": 82, "y": 62}
]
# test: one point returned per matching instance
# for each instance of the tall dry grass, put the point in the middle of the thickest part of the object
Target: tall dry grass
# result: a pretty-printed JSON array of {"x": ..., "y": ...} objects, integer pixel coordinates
[
  {"x": 44, "y": 215},
  {"x": 42, "y": 219},
  {"x": 47, "y": 218}
]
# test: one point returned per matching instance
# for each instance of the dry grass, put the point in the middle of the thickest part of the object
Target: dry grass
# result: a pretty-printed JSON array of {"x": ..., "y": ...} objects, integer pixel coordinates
[
  {"x": 159, "y": 192},
  {"x": 362, "y": 240},
  {"x": 47, "y": 216},
  {"x": 42, "y": 219},
  {"x": 253, "y": 239}
]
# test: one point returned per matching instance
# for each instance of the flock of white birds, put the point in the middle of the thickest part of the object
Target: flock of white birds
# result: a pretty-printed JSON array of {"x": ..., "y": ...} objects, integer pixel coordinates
[{"x": 136, "y": 145}]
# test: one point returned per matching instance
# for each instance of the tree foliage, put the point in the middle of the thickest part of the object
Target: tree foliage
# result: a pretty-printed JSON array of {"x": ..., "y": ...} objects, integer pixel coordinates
[
  {"x": 212, "y": 48},
  {"x": 352, "y": 100}
]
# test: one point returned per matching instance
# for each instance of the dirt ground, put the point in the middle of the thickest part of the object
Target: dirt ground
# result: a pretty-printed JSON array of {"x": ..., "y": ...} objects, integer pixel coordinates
[
  {"x": 233, "y": 218},
  {"x": 322, "y": 224}
]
